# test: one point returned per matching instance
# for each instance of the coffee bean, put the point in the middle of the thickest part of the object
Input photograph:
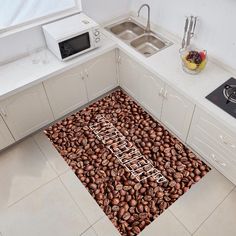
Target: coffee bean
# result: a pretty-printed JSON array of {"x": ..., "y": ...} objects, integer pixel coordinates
[
  {"x": 119, "y": 187},
  {"x": 131, "y": 205},
  {"x": 136, "y": 230},
  {"x": 133, "y": 202},
  {"x": 115, "y": 201},
  {"x": 172, "y": 183},
  {"x": 126, "y": 216}
]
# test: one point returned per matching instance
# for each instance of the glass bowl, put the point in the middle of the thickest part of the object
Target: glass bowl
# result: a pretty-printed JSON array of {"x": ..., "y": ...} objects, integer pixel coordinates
[{"x": 193, "y": 61}]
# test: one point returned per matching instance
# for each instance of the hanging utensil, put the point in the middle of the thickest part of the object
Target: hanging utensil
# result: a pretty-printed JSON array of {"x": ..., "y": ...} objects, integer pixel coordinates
[
  {"x": 185, "y": 32},
  {"x": 194, "y": 26},
  {"x": 189, "y": 31}
]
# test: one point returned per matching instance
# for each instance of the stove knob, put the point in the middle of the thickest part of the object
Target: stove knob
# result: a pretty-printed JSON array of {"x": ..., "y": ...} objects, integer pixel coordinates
[{"x": 97, "y": 40}]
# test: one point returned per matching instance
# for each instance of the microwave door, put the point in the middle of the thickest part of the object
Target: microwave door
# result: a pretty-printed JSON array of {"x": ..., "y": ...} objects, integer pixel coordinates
[{"x": 75, "y": 45}]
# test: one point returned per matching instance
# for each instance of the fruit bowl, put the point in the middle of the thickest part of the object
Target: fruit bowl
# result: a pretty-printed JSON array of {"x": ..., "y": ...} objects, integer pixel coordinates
[{"x": 193, "y": 61}]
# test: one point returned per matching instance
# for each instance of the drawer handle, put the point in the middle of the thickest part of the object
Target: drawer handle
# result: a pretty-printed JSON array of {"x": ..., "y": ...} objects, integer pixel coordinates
[
  {"x": 217, "y": 161},
  {"x": 223, "y": 139},
  {"x": 225, "y": 142}
]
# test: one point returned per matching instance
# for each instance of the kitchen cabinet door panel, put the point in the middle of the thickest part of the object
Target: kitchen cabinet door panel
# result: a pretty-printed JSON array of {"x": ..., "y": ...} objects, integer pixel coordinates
[
  {"x": 6, "y": 138},
  {"x": 66, "y": 92},
  {"x": 177, "y": 113},
  {"x": 101, "y": 75},
  {"x": 27, "y": 111},
  {"x": 149, "y": 92},
  {"x": 129, "y": 75}
]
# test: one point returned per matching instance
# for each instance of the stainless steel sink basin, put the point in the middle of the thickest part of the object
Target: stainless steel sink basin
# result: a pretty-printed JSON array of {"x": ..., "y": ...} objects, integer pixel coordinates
[
  {"x": 148, "y": 44},
  {"x": 127, "y": 30},
  {"x": 133, "y": 34}
]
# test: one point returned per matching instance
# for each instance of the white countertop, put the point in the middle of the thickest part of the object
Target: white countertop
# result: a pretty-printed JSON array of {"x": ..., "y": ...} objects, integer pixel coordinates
[
  {"x": 166, "y": 64},
  {"x": 23, "y": 73}
]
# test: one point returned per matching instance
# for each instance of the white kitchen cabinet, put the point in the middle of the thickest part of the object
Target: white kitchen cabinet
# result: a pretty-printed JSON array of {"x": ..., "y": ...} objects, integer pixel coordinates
[
  {"x": 6, "y": 138},
  {"x": 174, "y": 110},
  {"x": 26, "y": 111},
  {"x": 215, "y": 130},
  {"x": 141, "y": 84},
  {"x": 129, "y": 75},
  {"x": 66, "y": 92},
  {"x": 150, "y": 92},
  {"x": 101, "y": 75},
  {"x": 214, "y": 142},
  {"x": 177, "y": 112}
]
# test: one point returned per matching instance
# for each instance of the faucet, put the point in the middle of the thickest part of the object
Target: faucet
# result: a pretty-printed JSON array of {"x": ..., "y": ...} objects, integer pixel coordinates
[{"x": 148, "y": 28}]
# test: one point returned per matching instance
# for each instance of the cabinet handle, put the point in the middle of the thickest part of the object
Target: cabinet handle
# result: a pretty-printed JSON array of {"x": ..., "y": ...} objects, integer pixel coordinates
[
  {"x": 119, "y": 59},
  {"x": 82, "y": 75},
  {"x": 3, "y": 112},
  {"x": 217, "y": 161},
  {"x": 161, "y": 92},
  {"x": 223, "y": 139},
  {"x": 86, "y": 72},
  {"x": 165, "y": 95}
]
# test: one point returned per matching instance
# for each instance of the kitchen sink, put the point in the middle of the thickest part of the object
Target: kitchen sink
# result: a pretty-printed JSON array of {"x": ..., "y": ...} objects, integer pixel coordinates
[
  {"x": 127, "y": 30},
  {"x": 135, "y": 35},
  {"x": 148, "y": 44}
]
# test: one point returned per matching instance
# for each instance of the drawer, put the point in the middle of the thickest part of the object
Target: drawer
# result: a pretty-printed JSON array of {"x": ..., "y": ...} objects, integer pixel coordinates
[
  {"x": 215, "y": 130},
  {"x": 217, "y": 156}
]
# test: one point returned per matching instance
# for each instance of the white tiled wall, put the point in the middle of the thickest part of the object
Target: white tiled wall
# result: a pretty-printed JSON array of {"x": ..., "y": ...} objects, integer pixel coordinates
[{"x": 215, "y": 31}]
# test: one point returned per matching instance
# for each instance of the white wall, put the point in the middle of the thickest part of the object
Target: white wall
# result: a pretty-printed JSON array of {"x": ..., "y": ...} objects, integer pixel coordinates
[
  {"x": 216, "y": 30},
  {"x": 103, "y": 10},
  {"x": 16, "y": 45}
]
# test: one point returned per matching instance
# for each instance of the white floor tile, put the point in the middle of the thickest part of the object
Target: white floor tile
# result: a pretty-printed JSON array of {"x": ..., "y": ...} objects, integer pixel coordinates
[
  {"x": 23, "y": 168},
  {"x": 199, "y": 202},
  {"x": 167, "y": 225},
  {"x": 104, "y": 227},
  {"x": 47, "y": 211},
  {"x": 89, "y": 232},
  {"x": 83, "y": 198},
  {"x": 50, "y": 152},
  {"x": 222, "y": 221}
]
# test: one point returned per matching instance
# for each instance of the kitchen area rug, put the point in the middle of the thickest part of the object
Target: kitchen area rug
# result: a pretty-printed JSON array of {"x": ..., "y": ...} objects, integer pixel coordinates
[{"x": 132, "y": 166}]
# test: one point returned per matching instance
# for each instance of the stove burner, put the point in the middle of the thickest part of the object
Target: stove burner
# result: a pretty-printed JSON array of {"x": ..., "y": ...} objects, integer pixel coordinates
[
  {"x": 225, "y": 96},
  {"x": 230, "y": 93}
]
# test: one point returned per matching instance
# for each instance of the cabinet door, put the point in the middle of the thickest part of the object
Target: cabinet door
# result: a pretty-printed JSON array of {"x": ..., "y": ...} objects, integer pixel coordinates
[
  {"x": 141, "y": 85},
  {"x": 149, "y": 95},
  {"x": 177, "y": 113},
  {"x": 6, "y": 138},
  {"x": 27, "y": 111},
  {"x": 129, "y": 75},
  {"x": 101, "y": 75},
  {"x": 66, "y": 92}
]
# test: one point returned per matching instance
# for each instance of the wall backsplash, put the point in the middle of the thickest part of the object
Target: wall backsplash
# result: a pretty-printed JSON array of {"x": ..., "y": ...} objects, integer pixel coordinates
[
  {"x": 215, "y": 30},
  {"x": 16, "y": 45},
  {"x": 104, "y": 10}
]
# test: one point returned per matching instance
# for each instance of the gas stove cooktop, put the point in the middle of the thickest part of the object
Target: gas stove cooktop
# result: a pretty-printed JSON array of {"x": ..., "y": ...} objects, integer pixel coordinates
[{"x": 225, "y": 97}]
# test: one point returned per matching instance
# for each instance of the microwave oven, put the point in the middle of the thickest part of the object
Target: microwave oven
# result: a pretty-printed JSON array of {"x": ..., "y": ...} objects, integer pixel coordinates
[{"x": 72, "y": 36}]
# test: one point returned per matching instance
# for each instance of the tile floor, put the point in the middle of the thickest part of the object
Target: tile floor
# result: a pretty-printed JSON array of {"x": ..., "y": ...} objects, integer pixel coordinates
[{"x": 40, "y": 195}]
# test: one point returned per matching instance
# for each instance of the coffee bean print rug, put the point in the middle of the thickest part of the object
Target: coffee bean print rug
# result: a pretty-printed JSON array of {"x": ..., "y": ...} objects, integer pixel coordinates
[{"x": 132, "y": 166}]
